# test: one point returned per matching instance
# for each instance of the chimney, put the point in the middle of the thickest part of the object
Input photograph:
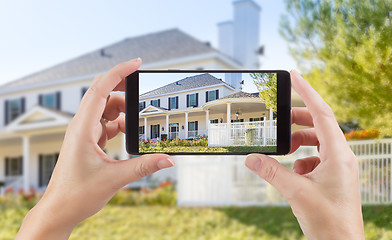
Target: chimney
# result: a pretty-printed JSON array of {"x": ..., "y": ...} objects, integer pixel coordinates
[
  {"x": 234, "y": 80},
  {"x": 225, "y": 38},
  {"x": 239, "y": 38}
]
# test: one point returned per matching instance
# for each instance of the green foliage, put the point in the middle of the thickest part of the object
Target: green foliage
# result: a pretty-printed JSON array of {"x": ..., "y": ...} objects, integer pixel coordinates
[
  {"x": 164, "y": 195},
  {"x": 163, "y": 222},
  {"x": 250, "y": 136},
  {"x": 345, "y": 50},
  {"x": 266, "y": 83},
  {"x": 232, "y": 149}
]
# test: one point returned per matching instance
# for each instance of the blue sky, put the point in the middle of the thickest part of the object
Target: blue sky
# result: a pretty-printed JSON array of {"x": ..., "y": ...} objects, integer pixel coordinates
[{"x": 35, "y": 35}]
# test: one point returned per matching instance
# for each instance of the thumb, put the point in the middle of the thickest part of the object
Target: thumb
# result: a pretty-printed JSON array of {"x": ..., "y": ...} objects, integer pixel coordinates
[
  {"x": 130, "y": 170},
  {"x": 285, "y": 181}
]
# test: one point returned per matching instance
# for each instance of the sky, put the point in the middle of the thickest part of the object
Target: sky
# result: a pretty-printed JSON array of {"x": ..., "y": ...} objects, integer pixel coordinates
[{"x": 35, "y": 35}]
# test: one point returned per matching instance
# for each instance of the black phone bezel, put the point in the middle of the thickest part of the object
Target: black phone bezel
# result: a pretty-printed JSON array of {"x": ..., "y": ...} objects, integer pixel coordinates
[{"x": 283, "y": 113}]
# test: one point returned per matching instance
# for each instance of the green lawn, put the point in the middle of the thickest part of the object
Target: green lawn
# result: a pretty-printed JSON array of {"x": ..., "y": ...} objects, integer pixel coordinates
[{"x": 158, "y": 222}]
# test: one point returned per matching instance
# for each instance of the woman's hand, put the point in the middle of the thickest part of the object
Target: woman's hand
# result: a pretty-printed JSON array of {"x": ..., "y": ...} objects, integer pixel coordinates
[
  {"x": 323, "y": 192},
  {"x": 85, "y": 178}
]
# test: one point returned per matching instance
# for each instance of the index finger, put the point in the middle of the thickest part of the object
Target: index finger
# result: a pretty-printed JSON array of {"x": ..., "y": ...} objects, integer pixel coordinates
[
  {"x": 327, "y": 128},
  {"x": 93, "y": 103}
]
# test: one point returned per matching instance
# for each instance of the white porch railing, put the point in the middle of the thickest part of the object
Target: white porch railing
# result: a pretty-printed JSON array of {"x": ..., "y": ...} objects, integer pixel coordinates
[
  {"x": 261, "y": 133},
  {"x": 234, "y": 184}
]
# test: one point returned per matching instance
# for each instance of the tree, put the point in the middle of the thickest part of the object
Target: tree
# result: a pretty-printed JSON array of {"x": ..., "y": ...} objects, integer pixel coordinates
[
  {"x": 266, "y": 83},
  {"x": 344, "y": 48}
]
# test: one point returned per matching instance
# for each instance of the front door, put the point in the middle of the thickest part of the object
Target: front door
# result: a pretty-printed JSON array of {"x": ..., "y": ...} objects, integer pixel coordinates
[
  {"x": 154, "y": 131},
  {"x": 47, "y": 163},
  {"x": 174, "y": 129}
]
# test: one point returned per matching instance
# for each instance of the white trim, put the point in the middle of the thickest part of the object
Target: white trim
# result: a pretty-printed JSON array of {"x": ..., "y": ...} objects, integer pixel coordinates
[
  {"x": 158, "y": 110},
  {"x": 17, "y": 125}
]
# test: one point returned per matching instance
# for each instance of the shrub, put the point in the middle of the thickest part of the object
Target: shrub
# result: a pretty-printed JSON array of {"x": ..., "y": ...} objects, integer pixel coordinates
[{"x": 362, "y": 134}]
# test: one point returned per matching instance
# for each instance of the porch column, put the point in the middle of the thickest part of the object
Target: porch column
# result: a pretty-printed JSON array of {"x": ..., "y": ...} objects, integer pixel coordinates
[
  {"x": 271, "y": 117},
  {"x": 186, "y": 125},
  {"x": 26, "y": 162},
  {"x": 228, "y": 112},
  {"x": 145, "y": 128},
  {"x": 167, "y": 127},
  {"x": 207, "y": 121}
]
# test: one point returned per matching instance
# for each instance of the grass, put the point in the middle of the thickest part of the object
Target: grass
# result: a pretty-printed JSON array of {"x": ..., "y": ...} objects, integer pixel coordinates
[
  {"x": 159, "y": 222},
  {"x": 232, "y": 149}
]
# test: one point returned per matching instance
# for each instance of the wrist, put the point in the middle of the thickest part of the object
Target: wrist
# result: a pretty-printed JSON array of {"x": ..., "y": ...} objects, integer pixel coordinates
[{"x": 45, "y": 222}]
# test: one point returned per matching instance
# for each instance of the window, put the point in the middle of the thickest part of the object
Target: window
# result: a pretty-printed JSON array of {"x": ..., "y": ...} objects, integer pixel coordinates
[
  {"x": 13, "y": 166},
  {"x": 51, "y": 100},
  {"x": 141, "y": 129},
  {"x": 154, "y": 131},
  {"x": 212, "y": 95},
  {"x": 237, "y": 120},
  {"x": 192, "y": 129},
  {"x": 192, "y": 100},
  {"x": 256, "y": 119},
  {"x": 156, "y": 102},
  {"x": 142, "y": 105},
  {"x": 214, "y": 121},
  {"x": 46, "y": 164},
  {"x": 13, "y": 108},
  {"x": 173, "y": 103}
]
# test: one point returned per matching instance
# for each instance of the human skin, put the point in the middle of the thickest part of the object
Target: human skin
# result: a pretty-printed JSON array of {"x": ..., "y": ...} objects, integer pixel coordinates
[
  {"x": 85, "y": 178},
  {"x": 323, "y": 192}
]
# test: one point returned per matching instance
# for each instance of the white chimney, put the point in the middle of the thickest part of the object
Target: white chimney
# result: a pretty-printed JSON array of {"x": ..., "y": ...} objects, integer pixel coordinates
[
  {"x": 240, "y": 38},
  {"x": 225, "y": 38},
  {"x": 234, "y": 80}
]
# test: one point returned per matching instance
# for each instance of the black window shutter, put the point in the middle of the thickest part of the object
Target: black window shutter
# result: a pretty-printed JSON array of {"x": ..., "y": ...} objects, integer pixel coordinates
[
  {"x": 177, "y": 102},
  {"x": 58, "y": 100},
  {"x": 217, "y": 94},
  {"x": 144, "y": 104},
  {"x": 151, "y": 132},
  {"x": 84, "y": 90},
  {"x": 6, "y": 112},
  {"x": 207, "y": 96},
  {"x": 40, "y": 99},
  {"x": 159, "y": 129},
  {"x": 40, "y": 166},
  {"x": 21, "y": 165},
  {"x": 168, "y": 102},
  {"x": 197, "y": 99},
  {"x": 159, "y": 102},
  {"x": 196, "y": 125},
  {"x": 187, "y": 100},
  {"x": 150, "y": 102},
  {"x": 22, "y": 105},
  {"x": 7, "y": 163}
]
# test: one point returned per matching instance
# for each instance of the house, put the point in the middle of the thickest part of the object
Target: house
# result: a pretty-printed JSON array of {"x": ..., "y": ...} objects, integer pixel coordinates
[
  {"x": 205, "y": 105},
  {"x": 36, "y": 109}
]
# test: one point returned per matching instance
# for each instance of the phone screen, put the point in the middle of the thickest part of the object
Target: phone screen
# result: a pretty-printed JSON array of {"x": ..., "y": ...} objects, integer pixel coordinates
[{"x": 207, "y": 112}]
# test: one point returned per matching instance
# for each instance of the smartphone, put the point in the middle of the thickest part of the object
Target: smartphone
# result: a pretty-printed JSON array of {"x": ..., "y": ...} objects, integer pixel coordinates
[{"x": 208, "y": 112}]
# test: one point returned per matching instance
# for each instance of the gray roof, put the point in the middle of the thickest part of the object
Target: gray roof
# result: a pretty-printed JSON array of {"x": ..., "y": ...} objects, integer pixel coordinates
[
  {"x": 154, "y": 47},
  {"x": 243, "y": 95},
  {"x": 197, "y": 81}
]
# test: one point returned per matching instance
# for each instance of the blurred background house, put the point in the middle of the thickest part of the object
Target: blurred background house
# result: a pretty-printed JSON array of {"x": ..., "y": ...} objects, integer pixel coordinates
[{"x": 36, "y": 109}]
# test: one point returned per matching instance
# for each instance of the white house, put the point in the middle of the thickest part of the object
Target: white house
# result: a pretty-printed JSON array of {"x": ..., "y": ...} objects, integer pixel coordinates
[
  {"x": 204, "y": 105},
  {"x": 36, "y": 109}
]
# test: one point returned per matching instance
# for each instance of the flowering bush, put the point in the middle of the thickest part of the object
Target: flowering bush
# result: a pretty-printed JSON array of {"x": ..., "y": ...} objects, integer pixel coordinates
[
  {"x": 164, "y": 194},
  {"x": 21, "y": 199},
  {"x": 199, "y": 141},
  {"x": 362, "y": 134}
]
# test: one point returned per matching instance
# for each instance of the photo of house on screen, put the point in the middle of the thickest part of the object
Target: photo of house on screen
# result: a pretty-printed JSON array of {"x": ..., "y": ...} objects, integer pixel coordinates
[{"x": 212, "y": 105}]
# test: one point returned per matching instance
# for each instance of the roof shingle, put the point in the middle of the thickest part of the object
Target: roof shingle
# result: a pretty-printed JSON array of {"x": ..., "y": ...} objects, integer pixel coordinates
[
  {"x": 197, "y": 81},
  {"x": 154, "y": 47}
]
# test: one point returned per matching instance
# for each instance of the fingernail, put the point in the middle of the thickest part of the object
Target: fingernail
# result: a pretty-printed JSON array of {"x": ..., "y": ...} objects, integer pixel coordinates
[
  {"x": 136, "y": 59},
  {"x": 165, "y": 163},
  {"x": 253, "y": 162}
]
